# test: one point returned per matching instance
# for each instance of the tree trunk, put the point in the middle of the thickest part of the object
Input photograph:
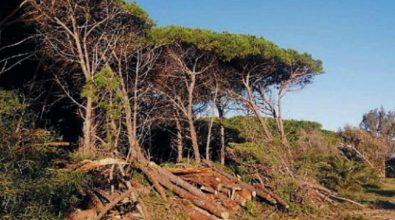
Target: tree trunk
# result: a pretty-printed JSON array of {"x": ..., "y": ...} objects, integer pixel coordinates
[
  {"x": 132, "y": 141},
  {"x": 280, "y": 121},
  {"x": 222, "y": 134},
  {"x": 134, "y": 148},
  {"x": 179, "y": 139},
  {"x": 88, "y": 126},
  {"x": 251, "y": 102},
  {"x": 267, "y": 134},
  {"x": 209, "y": 138},
  {"x": 191, "y": 124},
  {"x": 194, "y": 140},
  {"x": 211, "y": 125}
]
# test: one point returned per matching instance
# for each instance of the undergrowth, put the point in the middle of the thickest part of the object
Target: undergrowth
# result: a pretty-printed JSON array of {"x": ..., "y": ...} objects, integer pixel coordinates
[{"x": 30, "y": 185}]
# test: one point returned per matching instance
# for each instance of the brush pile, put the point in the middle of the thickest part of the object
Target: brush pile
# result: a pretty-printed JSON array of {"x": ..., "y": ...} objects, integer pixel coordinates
[{"x": 204, "y": 191}]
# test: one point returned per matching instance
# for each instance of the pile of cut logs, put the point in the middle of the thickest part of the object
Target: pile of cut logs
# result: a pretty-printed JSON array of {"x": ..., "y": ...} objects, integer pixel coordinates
[{"x": 205, "y": 192}]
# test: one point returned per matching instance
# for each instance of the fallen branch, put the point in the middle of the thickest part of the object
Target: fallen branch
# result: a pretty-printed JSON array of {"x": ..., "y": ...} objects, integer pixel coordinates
[
  {"x": 201, "y": 202},
  {"x": 87, "y": 165},
  {"x": 331, "y": 194},
  {"x": 260, "y": 192},
  {"x": 54, "y": 144},
  {"x": 345, "y": 199},
  {"x": 114, "y": 202},
  {"x": 189, "y": 170}
]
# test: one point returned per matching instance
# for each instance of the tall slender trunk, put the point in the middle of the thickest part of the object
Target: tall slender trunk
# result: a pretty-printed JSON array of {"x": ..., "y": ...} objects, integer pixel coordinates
[
  {"x": 135, "y": 151},
  {"x": 134, "y": 148},
  {"x": 222, "y": 134},
  {"x": 190, "y": 118},
  {"x": 251, "y": 102},
  {"x": 179, "y": 139},
  {"x": 88, "y": 126},
  {"x": 211, "y": 124},
  {"x": 89, "y": 135},
  {"x": 194, "y": 141},
  {"x": 262, "y": 121},
  {"x": 209, "y": 138},
  {"x": 280, "y": 121}
]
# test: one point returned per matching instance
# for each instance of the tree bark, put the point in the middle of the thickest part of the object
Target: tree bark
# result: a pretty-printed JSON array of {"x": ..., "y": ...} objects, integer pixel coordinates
[
  {"x": 194, "y": 141},
  {"x": 188, "y": 191},
  {"x": 191, "y": 124},
  {"x": 267, "y": 134},
  {"x": 251, "y": 102},
  {"x": 211, "y": 125},
  {"x": 88, "y": 130},
  {"x": 179, "y": 139},
  {"x": 222, "y": 134},
  {"x": 134, "y": 148},
  {"x": 280, "y": 121},
  {"x": 209, "y": 138}
]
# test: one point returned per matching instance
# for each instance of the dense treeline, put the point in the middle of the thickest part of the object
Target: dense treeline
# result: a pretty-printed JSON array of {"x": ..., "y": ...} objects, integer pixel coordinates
[
  {"x": 109, "y": 81},
  {"x": 118, "y": 70}
]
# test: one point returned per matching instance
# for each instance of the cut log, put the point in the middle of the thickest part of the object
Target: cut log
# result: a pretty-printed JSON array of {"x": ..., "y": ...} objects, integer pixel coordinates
[
  {"x": 260, "y": 192},
  {"x": 201, "y": 202},
  {"x": 151, "y": 177},
  {"x": 114, "y": 202},
  {"x": 195, "y": 213},
  {"x": 177, "y": 180},
  {"x": 88, "y": 214},
  {"x": 189, "y": 170},
  {"x": 88, "y": 165},
  {"x": 278, "y": 199}
]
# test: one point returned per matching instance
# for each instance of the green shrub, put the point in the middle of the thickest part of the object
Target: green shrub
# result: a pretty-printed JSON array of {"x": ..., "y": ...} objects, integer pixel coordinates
[
  {"x": 338, "y": 173},
  {"x": 30, "y": 187}
]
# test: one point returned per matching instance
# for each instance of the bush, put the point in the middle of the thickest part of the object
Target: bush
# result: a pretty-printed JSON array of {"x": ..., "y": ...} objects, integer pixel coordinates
[
  {"x": 30, "y": 187},
  {"x": 250, "y": 129},
  {"x": 338, "y": 173},
  {"x": 375, "y": 149}
]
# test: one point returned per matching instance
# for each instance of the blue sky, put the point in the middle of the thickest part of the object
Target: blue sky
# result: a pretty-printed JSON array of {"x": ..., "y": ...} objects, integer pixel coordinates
[{"x": 354, "y": 38}]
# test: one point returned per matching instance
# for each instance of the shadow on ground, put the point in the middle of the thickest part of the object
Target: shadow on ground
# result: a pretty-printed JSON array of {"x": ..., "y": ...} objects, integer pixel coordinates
[
  {"x": 384, "y": 205},
  {"x": 382, "y": 192}
]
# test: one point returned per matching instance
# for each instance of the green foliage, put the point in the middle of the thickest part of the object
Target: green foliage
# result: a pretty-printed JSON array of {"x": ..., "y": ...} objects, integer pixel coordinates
[
  {"x": 251, "y": 209},
  {"x": 289, "y": 189},
  {"x": 330, "y": 137},
  {"x": 247, "y": 127},
  {"x": 227, "y": 45},
  {"x": 379, "y": 122},
  {"x": 134, "y": 9},
  {"x": 9, "y": 104},
  {"x": 11, "y": 110},
  {"x": 338, "y": 173},
  {"x": 250, "y": 129},
  {"x": 294, "y": 127},
  {"x": 232, "y": 46},
  {"x": 105, "y": 92},
  {"x": 29, "y": 186}
]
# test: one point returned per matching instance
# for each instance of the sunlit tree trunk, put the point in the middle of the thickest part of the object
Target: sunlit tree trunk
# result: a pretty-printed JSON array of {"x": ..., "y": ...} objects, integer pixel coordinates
[
  {"x": 222, "y": 134},
  {"x": 179, "y": 139}
]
